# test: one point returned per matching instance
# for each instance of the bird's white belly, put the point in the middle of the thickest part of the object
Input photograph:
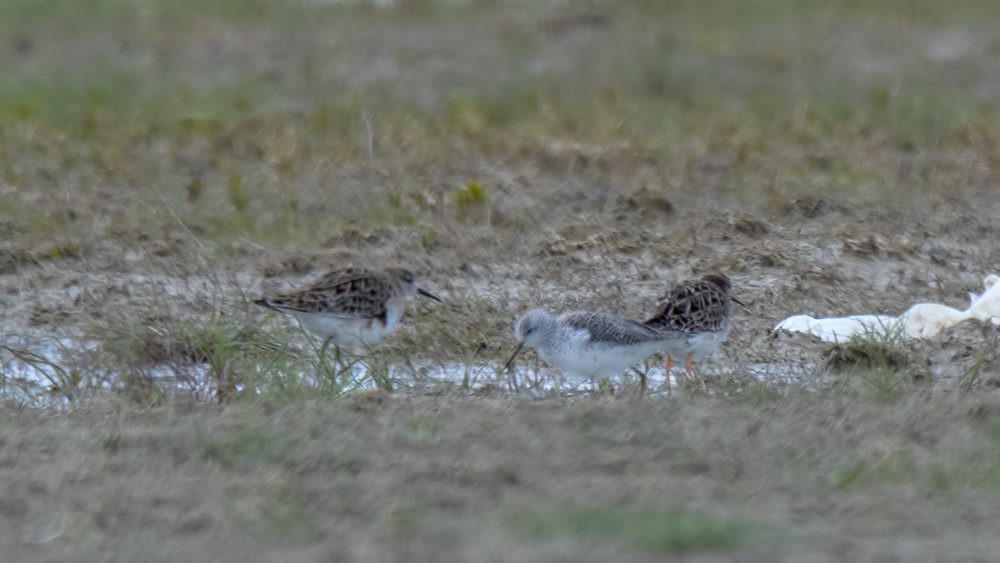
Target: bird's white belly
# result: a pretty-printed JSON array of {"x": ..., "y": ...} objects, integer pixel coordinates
[
  {"x": 705, "y": 344},
  {"x": 343, "y": 331},
  {"x": 597, "y": 359}
]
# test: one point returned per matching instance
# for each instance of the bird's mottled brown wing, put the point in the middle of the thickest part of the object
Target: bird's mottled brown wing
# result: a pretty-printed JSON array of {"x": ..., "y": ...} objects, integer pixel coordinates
[
  {"x": 612, "y": 329},
  {"x": 351, "y": 292},
  {"x": 693, "y": 306}
]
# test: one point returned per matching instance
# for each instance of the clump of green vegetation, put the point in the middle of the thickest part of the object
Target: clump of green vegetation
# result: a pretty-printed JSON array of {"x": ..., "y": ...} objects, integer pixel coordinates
[
  {"x": 746, "y": 388},
  {"x": 463, "y": 329},
  {"x": 864, "y": 353},
  {"x": 656, "y": 531},
  {"x": 235, "y": 193},
  {"x": 275, "y": 511},
  {"x": 875, "y": 362},
  {"x": 952, "y": 469},
  {"x": 471, "y": 193},
  {"x": 216, "y": 357},
  {"x": 247, "y": 443},
  {"x": 981, "y": 358}
]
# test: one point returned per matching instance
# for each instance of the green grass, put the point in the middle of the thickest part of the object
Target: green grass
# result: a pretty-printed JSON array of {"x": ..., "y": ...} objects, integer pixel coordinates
[
  {"x": 671, "y": 531},
  {"x": 981, "y": 357},
  {"x": 240, "y": 358},
  {"x": 463, "y": 328},
  {"x": 875, "y": 363},
  {"x": 746, "y": 388},
  {"x": 234, "y": 354},
  {"x": 246, "y": 354},
  {"x": 951, "y": 470},
  {"x": 247, "y": 443},
  {"x": 275, "y": 512}
]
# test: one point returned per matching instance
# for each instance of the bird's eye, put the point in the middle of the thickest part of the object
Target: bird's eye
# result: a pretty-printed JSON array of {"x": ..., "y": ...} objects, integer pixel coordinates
[{"x": 529, "y": 331}]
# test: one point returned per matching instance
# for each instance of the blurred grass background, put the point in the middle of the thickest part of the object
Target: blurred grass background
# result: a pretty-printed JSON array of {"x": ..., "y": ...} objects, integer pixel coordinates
[{"x": 287, "y": 122}]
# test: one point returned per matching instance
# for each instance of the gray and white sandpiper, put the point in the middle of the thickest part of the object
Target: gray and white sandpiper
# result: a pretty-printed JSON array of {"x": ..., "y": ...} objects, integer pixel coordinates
[
  {"x": 350, "y": 307},
  {"x": 698, "y": 309},
  {"x": 590, "y": 344}
]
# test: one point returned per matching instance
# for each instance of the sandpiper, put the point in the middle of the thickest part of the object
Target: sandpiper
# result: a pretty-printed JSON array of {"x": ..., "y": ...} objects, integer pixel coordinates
[
  {"x": 590, "y": 344},
  {"x": 350, "y": 307},
  {"x": 700, "y": 310}
]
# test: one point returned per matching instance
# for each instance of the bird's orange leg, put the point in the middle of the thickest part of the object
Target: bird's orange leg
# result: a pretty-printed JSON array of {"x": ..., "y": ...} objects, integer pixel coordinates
[
  {"x": 666, "y": 366},
  {"x": 690, "y": 372}
]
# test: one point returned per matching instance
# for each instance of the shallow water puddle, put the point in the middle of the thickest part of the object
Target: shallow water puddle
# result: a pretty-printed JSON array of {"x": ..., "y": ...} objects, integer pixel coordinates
[{"x": 43, "y": 372}]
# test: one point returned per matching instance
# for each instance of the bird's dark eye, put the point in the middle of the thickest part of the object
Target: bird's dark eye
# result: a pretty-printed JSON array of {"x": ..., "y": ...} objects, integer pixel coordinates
[{"x": 529, "y": 331}]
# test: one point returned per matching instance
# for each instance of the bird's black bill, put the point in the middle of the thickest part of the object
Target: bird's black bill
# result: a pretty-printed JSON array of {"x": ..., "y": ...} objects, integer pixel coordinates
[
  {"x": 262, "y": 303},
  {"x": 512, "y": 356},
  {"x": 738, "y": 302},
  {"x": 428, "y": 294}
]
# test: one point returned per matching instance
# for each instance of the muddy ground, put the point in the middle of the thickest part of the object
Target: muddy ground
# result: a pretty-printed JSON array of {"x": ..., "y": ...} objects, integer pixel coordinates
[{"x": 164, "y": 167}]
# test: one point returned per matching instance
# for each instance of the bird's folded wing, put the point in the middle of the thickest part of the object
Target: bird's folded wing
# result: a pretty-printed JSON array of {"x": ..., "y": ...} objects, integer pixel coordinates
[
  {"x": 612, "y": 329},
  {"x": 341, "y": 306},
  {"x": 698, "y": 305}
]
